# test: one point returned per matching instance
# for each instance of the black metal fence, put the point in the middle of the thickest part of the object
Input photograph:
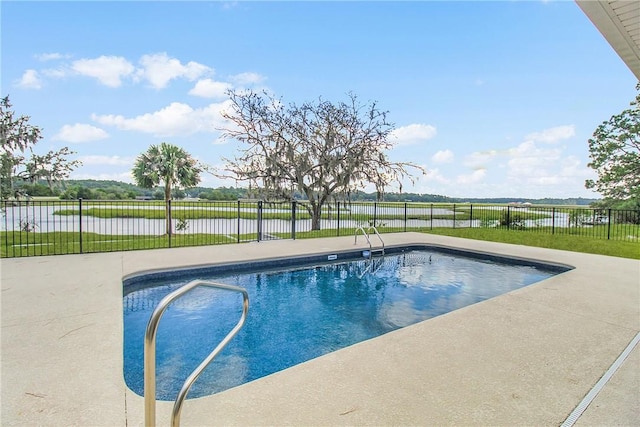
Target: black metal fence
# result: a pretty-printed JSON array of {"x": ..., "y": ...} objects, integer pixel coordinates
[{"x": 31, "y": 228}]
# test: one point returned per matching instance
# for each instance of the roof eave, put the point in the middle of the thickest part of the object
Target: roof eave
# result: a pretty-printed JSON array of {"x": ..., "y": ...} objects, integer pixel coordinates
[{"x": 623, "y": 34}]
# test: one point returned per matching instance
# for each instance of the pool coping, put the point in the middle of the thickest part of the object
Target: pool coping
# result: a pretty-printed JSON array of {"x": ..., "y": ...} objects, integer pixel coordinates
[
  {"x": 527, "y": 357},
  {"x": 215, "y": 269}
]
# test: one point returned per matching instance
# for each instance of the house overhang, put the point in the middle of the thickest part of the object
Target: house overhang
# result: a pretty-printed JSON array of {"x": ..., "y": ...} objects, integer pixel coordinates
[{"x": 619, "y": 23}]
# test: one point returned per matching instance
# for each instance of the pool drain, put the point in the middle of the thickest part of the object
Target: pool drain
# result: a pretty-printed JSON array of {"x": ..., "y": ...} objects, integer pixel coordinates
[{"x": 582, "y": 406}]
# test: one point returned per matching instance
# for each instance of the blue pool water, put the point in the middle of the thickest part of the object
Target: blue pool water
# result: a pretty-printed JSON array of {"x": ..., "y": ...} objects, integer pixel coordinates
[{"x": 299, "y": 313}]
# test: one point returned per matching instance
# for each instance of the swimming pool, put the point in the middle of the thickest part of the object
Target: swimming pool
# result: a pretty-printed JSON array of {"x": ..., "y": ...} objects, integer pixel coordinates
[{"x": 299, "y": 312}]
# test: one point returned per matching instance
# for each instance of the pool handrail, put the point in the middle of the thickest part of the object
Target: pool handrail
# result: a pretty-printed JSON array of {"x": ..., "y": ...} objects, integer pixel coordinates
[
  {"x": 150, "y": 350},
  {"x": 366, "y": 235},
  {"x": 375, "y": 230}
]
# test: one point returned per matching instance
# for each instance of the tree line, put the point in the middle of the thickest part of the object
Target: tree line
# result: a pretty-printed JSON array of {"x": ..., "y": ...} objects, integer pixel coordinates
[{"x": 89, "y": 189}]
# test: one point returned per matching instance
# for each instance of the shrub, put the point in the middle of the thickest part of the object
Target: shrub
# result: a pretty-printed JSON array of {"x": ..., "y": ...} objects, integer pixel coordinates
[{"x": 511, "y": 219}]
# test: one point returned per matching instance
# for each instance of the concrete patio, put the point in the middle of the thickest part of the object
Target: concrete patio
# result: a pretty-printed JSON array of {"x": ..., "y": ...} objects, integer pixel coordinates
[{"x": 524, "y": 358}]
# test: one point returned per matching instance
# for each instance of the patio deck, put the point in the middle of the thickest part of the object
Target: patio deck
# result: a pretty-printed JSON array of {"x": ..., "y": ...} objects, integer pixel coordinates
[{"x": 524, "y": 358}]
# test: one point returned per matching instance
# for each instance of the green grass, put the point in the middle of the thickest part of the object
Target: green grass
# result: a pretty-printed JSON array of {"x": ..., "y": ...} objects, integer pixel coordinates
[
  {"x": 17, "y": 244},
  {"x": 531, "y": 237},
  {"x": 567, "y": 242}
]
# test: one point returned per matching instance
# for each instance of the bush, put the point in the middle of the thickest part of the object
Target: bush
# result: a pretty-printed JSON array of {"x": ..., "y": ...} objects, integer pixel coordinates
[
  {"x": 182, "y": 224},
  {"x": 511, "y": 219},
  {"x": 578, "y": 218}
]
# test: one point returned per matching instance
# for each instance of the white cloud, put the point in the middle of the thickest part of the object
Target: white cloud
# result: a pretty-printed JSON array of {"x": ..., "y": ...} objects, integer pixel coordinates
[
  {"x": 552, "y": 135},
  {"x": 544, "y": 168},
  {"x": 528, "y": 160},
  {"x": 532, "y": 168},
  {"x": 566, "y": 171},
  {"x": 573, "y": 167},
  {"x": 96, "y": 160},
  {"x": 247, "y": 79},
  {"x": 175, "y": 119},
  {"x": 209, "y": 88},
  {"x": 56, "y": 73},
  {"x": 473, "y": 178},
  {"x": 212, "y": 116},
  {"x": 434, "y": 175},
  {"x": 80, "y": 133},
  {"x": 30, "y": 80},
  {"x": 121, "y": 176},
  {"x": 109, "y": 70},
  {"x": 158, "y": 69},
  {"x": 443, "y": 156},
  {"x": 413, "y": 133},
  {"x": 50, "y": 56},
  {"x": 479, "y": 159}
]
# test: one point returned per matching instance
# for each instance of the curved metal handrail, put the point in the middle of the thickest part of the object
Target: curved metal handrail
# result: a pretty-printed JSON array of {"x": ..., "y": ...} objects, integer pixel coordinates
[
  {"x": 375, "y": 230},
  {"x": 366, "y": 236},
  {"x": 150, "y": 350}
]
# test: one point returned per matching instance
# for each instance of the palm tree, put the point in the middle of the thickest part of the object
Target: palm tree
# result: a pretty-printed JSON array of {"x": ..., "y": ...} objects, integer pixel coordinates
[{"x": 169, "y": 164}]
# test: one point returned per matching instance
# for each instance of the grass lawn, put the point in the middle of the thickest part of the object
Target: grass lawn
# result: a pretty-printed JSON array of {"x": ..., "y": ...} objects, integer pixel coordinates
[
  {"x": 14, "y": 244},
  {"x": 18, "y": 244},
  {"x": 567, "y": 242},
  {"x": 575, "y": 243}
]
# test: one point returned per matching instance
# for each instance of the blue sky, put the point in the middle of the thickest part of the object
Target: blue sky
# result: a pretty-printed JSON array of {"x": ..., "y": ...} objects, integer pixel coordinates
[{"x": 494, "y": 99}]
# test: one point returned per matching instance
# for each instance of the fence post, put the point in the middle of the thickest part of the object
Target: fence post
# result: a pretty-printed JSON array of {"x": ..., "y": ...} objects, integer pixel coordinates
[
  {"x": 293, "y": 220},
  {"x": 431, "y": 218},
  {"x": 238, "y": 221},
  {"x": 553, "y": 220},
  {"x": 609, "y": 224},
  {"x": 454, "y": 215},
  {"x": 80, "y": 218},
  {"x": 405, "y": 217},
  {"x": 470, "y": 215},
  {"x": 259, "y": 220},
  {"x": 339, "y": 218},
  {"x": 508, "y": 217},
  {"x": 169, "y": 223},
  {"x": 375, "y": 210}
]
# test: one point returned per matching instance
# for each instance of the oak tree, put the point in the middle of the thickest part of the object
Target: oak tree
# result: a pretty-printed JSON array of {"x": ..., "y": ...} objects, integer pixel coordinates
[
  {"x": 19, "y": 162},
  {"x": 321, "y": 149}
]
